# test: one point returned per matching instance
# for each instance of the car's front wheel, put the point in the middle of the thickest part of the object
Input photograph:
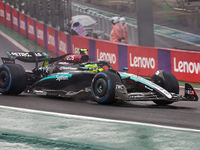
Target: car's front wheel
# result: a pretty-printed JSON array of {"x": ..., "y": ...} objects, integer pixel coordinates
[{"x": 103, "y": 87}]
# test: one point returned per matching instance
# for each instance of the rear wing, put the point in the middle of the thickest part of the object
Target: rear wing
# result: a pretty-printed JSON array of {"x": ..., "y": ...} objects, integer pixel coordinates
[{"x": 25, "y": 57}]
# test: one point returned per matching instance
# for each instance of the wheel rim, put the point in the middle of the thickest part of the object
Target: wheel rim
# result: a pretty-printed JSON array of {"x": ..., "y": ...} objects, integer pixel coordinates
[
  {"x": 4, "y": 79},
  {"x": 100, "y": 87}
]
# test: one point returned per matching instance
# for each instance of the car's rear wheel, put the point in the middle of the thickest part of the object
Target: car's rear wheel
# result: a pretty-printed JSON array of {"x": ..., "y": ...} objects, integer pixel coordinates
[
  {"x": 168, "y": 81},
  {"x": 103, "y": 87},
  {"x": 12, "y": 79}
]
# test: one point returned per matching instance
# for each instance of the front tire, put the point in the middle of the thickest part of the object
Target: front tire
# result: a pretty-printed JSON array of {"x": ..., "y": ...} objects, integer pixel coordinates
[
  {"x": 12, "y": 79},
  {"x": 103, "y": 87},
  {"x": 168, "y": 81}
]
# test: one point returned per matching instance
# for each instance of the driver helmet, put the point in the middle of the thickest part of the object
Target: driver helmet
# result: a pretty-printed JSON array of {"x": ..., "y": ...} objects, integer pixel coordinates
[{"x": 94, "y": 68}]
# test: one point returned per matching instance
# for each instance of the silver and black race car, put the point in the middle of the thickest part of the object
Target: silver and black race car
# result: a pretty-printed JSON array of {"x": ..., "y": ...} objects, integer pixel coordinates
[{"x": 73, "y": 75}]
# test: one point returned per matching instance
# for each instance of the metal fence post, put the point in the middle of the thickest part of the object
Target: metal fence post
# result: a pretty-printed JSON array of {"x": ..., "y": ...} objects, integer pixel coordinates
[
  {"x": 45, "y": 12},
  {"x": 145, "y": 23},
  {"x": 61, "y": 15},
  {"x": 32, "y": 6},
  {"x": 52, "y": 16},
  {"x": 26, "y": 6}
]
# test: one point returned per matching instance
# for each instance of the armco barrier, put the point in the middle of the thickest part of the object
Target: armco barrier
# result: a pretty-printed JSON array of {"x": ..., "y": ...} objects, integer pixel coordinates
[{"x": 144, "y": 61}]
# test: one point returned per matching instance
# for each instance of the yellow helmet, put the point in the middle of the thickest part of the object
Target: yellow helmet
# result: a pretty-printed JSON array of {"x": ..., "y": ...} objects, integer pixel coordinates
[{"x": 94, "y": 68}]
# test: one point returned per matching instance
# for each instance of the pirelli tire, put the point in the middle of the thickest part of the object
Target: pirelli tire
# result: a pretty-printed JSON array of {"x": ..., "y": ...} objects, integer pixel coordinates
[
  {"x": 103, "y": 87},
  {"x": 168, "y": 81},
  {"x": 12, "y": 79}
]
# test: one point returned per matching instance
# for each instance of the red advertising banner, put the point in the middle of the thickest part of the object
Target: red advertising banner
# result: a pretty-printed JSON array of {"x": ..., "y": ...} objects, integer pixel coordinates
[
  {"x": 142, "y": 60},
  {"x": 107, "y": 51},
  {"x": 31, "y": 33},
  {"x": 40, "y": 33},
  {"x": 8, "y": 16},
  {"x": 15, "y": 19},
  {"x": 22, "y": 24},
  {"x": 51, "y": 42},
  {"x": 79, "y": 42},
  {"x": 186, "y": 65},
  {"x": 62, "y": 43},
  {"x": 2, "y": 13}
]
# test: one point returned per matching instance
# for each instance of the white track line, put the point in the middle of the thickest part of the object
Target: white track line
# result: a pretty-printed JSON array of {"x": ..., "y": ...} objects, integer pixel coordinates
[
  {"x": 97, "y": 119},
  {"x": 14, "y": 42}
]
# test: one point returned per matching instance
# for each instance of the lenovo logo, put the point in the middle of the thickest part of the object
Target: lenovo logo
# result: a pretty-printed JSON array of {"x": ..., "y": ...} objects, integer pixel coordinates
[
  {"x": 142, "y": 62},
  {"x": 186, "y": 67},
  {"x": 106, "y": 56}
]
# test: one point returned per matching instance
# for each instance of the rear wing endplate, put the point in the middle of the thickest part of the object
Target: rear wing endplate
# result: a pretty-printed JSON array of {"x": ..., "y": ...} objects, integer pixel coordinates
[{"x": 190, "y": 93}]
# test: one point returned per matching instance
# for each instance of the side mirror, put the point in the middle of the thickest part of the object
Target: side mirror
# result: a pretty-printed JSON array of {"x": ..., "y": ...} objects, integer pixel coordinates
[{"x": 125, "y": 68}]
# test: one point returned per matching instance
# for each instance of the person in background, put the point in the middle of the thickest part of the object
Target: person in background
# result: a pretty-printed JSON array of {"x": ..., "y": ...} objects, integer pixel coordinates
[
  {"x": 77, "y": 29},
  {"x": 184, "y": 1},
  {"x": 117, "y": 33},
  {"x": 122, "y": 21}
]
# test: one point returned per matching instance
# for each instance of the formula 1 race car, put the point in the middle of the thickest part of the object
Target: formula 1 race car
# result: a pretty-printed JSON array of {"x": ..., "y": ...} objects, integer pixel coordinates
[{"x": 73, "y": 74}]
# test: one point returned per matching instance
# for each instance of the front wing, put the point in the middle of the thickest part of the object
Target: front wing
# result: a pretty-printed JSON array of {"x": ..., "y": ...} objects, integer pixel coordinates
[{"x": 122, "y": 94}]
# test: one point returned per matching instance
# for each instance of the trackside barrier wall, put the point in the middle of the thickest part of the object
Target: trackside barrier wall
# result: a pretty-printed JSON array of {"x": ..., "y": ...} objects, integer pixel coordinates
[{"x": 144, "y": 61}]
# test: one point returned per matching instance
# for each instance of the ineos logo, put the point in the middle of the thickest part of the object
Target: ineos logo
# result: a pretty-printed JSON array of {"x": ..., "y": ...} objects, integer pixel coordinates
[{"x": 69, "y": 57}]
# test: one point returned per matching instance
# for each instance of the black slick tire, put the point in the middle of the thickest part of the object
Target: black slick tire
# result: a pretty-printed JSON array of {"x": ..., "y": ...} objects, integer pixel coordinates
[
  {"x": 169, "y": 82},
  {"x": 12, "y": 79},
  {"x": 103, "y": 87}
]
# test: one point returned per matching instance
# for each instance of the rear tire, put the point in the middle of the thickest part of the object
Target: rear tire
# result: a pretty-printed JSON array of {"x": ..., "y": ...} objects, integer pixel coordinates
[
  {"x": 103, "y": 87},
  {"x": 168, "y": 81},
  {"x": 12, "y": 79}
]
